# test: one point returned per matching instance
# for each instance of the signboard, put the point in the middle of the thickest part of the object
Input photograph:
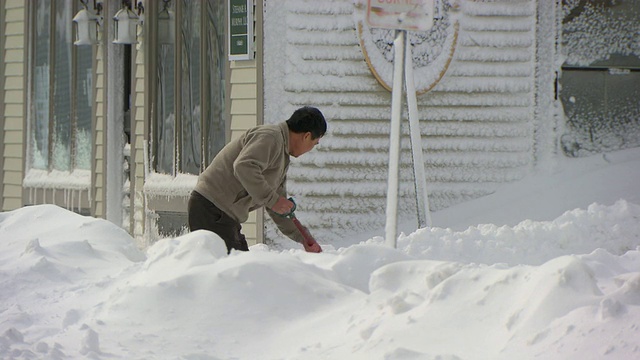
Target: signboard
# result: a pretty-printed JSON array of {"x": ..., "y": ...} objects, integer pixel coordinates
[
  {"x": 416, "y": 15},
  {"x": 240, "y": 22}
]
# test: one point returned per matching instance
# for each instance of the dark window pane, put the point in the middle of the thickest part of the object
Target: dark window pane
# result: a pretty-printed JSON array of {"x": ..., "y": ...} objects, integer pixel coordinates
[
  {"x": 600, "y": 81},
  {"x": 602, "y": 110},
  {"x": 62, "y": 87},
  {"x": 215, "y": 76},
  {"x": 165, "y": 111},
  {"x": 39, "y": 142},
  {"x": 199, "y": 66},
  {"x": 191, "y": 110},
  {"x": 84, "y": 106}
]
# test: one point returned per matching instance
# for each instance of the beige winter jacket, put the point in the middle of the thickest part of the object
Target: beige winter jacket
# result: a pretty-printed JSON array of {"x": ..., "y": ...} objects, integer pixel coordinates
[{"x": 249, "y": 173}]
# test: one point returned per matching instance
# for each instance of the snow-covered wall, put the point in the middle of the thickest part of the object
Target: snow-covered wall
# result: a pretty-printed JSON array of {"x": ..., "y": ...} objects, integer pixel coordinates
[{"x": 477, "y": 122}]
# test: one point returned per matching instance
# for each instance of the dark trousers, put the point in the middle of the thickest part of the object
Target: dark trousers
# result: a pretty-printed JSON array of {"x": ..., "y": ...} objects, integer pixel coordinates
[{"x": 204, "y": 215}]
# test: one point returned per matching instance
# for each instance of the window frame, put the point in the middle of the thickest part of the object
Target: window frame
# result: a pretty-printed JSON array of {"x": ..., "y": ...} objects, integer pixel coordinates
[
  {"x": 177, "y": 165},
  {"x": 69, "y": 188},
  {"x": 584, "y": 137},
  {"x": 73, "y": 102}
]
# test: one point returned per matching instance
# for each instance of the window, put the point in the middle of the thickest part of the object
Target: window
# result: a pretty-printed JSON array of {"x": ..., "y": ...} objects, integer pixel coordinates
[
  {"x": 600, "y": 83},
  {"x": 188, "y": 126},
  {"x": 60, "y": 100}
]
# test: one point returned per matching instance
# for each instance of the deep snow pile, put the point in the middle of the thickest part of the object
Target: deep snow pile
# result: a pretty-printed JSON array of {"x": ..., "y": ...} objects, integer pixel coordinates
[{"x": 75, "y": 287}]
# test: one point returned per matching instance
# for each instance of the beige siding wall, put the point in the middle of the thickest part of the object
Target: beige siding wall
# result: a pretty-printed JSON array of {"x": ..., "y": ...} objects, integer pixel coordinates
[
  {"x": 98, "y": 181},
  {"x": 138, "y": 206},
  {"x": 13, "y": 57},
  {"x": 2, "y": 22},
  {"x": 244, "y": 115}
]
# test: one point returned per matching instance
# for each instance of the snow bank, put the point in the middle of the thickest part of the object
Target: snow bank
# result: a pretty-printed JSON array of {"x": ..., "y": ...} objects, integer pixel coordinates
[
  {"x": 612, "y": 228},
  {"x": 76, "y": 287}
]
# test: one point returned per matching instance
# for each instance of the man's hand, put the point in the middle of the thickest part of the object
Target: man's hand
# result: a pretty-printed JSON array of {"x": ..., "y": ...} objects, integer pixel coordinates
[
  {"x": 311, "y": 245},
  {"x": 282, "y": 206}
]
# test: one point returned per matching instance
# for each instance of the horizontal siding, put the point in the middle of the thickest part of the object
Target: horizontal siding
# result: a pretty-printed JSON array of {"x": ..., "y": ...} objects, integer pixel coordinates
[
  {"x": 136, "y": 209},
  {"x": 244, "y": 91},
  {"x": 13, "y": 165},
  {"x": 13, "y": 110},
  {"x": 98, "y": 182},
  {"x": 243, "y": 107},
  {"x": 243, "y": 98},
  {"x": 13, "y": 58},
  {"x": 13, "y": 136},
  {"x": 476, "y": 123}
]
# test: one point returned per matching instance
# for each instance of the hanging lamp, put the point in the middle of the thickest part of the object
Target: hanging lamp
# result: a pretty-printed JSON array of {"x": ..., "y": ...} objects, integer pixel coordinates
[
  {"x": 126, "y": 26},
  {"x": 87, "y": 25}
]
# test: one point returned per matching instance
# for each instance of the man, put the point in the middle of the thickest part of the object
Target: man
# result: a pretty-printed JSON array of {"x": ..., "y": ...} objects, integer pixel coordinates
[{"x": 249, "y": 173}]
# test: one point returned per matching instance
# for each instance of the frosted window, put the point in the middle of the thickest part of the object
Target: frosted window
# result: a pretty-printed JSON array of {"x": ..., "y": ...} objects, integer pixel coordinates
[
  {"x": 84, "y": 101},
  {"x": 215, "y": 80},
  {"x": 39, "y": 144},
  {"x": 62, "y": 87},
  {"x": 61, "y": 100},
  {"x": 599, "y": 32},
  {"x": 600, "y": 81},
  {"x": 190, "y": 120},
  {"x": 190, "y": 87},
  {"x": 165, "y": 110},
  {"x": 602, "y": 111}
]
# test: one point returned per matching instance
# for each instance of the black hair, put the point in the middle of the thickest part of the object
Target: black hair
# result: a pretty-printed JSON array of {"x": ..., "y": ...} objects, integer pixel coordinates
[{"x": 308, "y": 119}]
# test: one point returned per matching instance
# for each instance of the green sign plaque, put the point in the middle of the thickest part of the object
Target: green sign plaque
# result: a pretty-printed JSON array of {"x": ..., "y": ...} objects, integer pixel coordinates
[{"x": 240, "y": 29}]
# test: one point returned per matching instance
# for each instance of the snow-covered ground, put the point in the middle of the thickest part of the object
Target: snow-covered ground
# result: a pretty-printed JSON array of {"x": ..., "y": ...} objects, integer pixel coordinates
[{"x": 548, "y": 268}]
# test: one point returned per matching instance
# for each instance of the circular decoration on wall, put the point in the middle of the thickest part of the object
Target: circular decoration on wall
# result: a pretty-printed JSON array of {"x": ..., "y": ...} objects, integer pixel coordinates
[{"x": 432, "y": 50}]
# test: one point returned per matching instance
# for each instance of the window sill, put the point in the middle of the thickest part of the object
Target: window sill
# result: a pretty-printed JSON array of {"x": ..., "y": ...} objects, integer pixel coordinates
[
  {"x": 169, "y": 193},
  {"x": 70, "y": 190},
  {"x": 169, "y": 186},
  {"x": 58, "y": 180}
]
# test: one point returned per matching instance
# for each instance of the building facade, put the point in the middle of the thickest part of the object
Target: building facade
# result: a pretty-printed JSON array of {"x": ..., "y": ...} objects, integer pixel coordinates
[{"x": 120, "y": 131}]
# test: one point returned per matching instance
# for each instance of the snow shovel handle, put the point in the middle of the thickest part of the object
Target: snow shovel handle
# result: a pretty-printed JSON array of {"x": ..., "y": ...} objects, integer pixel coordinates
[
  {"x": 291, "y": 215},
  {"x": 305, "y": 234}
]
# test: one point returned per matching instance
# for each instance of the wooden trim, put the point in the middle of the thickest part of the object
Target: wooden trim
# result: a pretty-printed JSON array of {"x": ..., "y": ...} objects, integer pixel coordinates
[
  {"x": 134, "y": 187},
  {"x": 106, "y": 83},
  {"x": 259, "y": 34},
  {"x": 177, "y": 73},
  {"x": 3, "y": 23},
  {"x": 29, "y": 50},
  {"x": 73, "y": 123},
  {"x": 94, "y": 125},
  {"x": 205, "y": 111},
  {"x": 151, "y": 55},
  {"x": 227, "y": 79},
  {"x": 52, "y": 66}
]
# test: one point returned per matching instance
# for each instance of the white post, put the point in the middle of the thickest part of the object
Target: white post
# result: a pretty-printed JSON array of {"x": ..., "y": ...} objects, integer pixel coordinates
[
  {"x": 420, "y": 179},
  {"x": 391, "y": 227},
  {"x": 114, "y": 125}
]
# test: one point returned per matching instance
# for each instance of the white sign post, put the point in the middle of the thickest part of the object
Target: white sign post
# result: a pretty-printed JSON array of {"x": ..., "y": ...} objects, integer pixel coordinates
[{"x": 403, "y": 15}]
